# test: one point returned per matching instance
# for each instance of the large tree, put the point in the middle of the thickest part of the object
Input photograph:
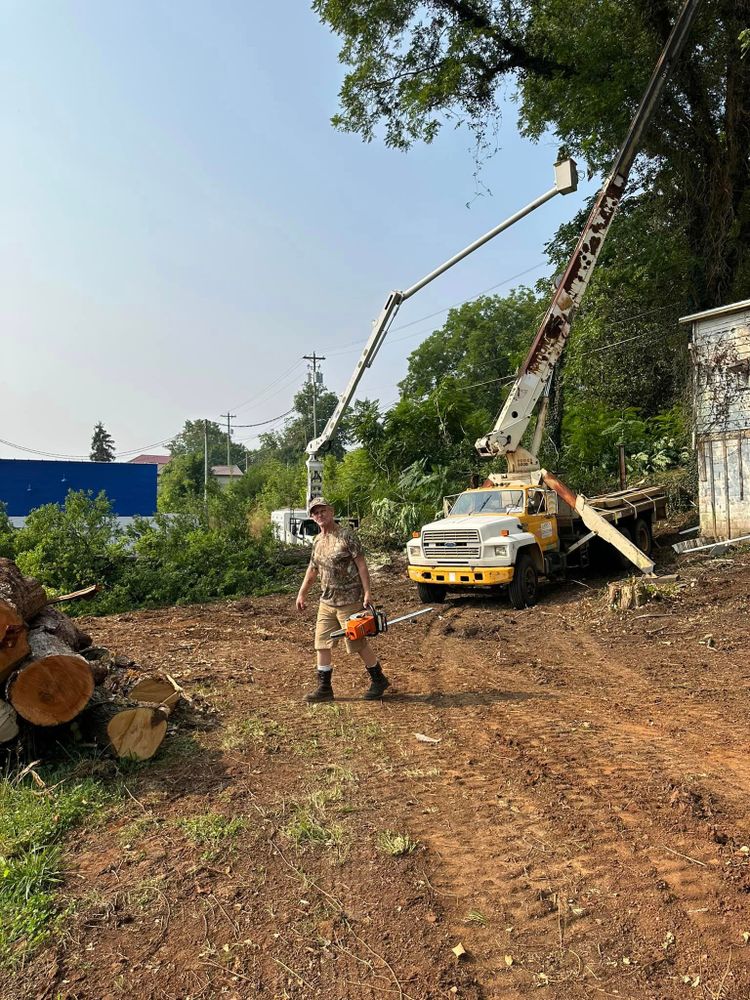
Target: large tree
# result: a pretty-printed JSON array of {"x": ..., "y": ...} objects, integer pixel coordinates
[
  {"x": 288, "y": 444},
  {"x": 191, "y": 441},
  {"x": 102, "y": 445},
  {"x": 578, "y": 67}
]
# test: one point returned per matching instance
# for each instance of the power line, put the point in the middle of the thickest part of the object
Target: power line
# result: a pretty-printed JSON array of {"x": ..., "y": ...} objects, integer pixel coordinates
[
  {"x": 405, "y": 326},
  {"x": 257, "y": 396}
]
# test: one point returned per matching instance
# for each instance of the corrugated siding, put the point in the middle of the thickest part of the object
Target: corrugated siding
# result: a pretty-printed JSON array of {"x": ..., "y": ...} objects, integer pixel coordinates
[
  {"x": 724, "y": 485},
  {"x": 25, "y": 485},
  {"x": 721, "y": 358}
]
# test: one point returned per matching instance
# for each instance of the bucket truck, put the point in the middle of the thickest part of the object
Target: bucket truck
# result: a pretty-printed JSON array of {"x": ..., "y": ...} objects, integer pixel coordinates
[
  {"x": 285, "y": 522},
  {"x": 526, "y": 524}
]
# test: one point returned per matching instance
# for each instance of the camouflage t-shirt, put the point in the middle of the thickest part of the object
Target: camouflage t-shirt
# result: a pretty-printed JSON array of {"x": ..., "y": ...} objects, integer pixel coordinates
[{"x": 333, "y": 556}]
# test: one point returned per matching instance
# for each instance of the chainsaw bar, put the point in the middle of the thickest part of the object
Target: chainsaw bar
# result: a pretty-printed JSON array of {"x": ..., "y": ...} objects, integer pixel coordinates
[{"x": 413, "y": 614}]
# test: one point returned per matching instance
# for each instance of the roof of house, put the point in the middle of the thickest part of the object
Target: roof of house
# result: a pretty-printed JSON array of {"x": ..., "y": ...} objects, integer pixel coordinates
[
  {"x": 719, "y": 311},
  {"x": 226, "y": 470},
  {"x": 150, "y": 460}
]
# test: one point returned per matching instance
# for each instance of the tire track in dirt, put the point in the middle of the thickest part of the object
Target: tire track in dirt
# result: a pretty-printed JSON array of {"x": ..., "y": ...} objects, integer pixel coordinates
[{"x": 603, "y": 801}]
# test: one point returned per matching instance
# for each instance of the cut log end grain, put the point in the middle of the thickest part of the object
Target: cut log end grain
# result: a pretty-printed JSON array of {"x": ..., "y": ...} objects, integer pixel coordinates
[
  {"x": 137, "y": 732},
  {"x": 8, "y": 722},
  {"x": 14, "y": 645},
  {"x": 156, "y": 690},
  {"x": 51, "y": 690}
]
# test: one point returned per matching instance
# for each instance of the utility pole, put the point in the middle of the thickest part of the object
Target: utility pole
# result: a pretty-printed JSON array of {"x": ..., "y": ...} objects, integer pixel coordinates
[
  {"x": 205, "y": 461},
  {"x": 230, "y": 417},
  {"x": 314, "y": 359}
]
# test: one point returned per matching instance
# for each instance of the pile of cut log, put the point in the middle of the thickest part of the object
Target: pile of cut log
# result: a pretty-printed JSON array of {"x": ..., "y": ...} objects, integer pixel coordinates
[{"x": 51, "y": 675}]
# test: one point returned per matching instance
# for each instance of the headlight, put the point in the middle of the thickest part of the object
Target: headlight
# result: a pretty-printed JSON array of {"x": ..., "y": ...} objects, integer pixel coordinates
[
  {"x": 414, "y": 547},
  {"x": 501, "y": 550}
]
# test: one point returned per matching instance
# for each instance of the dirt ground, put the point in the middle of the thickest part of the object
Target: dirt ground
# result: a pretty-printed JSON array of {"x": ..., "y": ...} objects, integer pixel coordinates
[{"x": 581, "y": 819}]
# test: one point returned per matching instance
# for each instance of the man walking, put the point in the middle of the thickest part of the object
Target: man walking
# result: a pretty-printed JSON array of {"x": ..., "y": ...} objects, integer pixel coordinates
[{"x": 338, "y": 559}]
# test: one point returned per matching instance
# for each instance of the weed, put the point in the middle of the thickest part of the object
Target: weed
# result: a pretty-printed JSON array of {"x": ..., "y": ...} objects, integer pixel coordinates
[
  {"x": 305, "y": 827},
  {"x": 475, "y": 917},
  {"x": 396, "y": 844},
  {"x": 211, "y": 828},
  {"x": 335, "y": 773}
]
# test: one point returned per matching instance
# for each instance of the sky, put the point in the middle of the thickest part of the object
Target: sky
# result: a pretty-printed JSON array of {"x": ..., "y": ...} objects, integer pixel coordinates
[{"x": 180, "y": 223}]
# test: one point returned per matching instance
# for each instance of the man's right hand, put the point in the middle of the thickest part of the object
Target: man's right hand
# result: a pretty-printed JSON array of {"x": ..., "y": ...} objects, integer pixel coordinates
[{"x": 301, "y": 603}]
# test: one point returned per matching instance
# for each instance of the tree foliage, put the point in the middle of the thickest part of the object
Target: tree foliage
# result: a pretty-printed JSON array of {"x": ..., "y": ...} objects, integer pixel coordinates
[
  {"x": 72, "y": 546},
  {"x": 102, "y": 445},
  {"x": 579, "y": 69},
  {"x": 288, "y": 444},
  {"x": 191, "y": 441}
]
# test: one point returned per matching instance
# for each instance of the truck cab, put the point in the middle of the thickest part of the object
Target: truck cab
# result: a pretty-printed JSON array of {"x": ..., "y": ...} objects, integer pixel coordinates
[{"x": 492, "y": 536}]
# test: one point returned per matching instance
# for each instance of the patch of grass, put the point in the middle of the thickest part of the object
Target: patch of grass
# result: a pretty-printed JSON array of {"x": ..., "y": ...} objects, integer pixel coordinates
[
  {"x": 34, "y": 821},
  {"x": 306, "y": 827},
  {"x": 131, "y": 834},
  {"x": 210, "y": 829},
  {"x": 175, "y": 746},
  {"x": 419, "y": 772},
  {"x": 254, "y": 729},
  {"x": 475, "y": 917},
  {"x": 396, "y": 844},
  {"x": 337, "y": 722}
]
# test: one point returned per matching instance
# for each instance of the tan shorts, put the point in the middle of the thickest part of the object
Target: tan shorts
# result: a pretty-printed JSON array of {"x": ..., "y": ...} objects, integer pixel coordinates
[{"x": 329, "y": 620}]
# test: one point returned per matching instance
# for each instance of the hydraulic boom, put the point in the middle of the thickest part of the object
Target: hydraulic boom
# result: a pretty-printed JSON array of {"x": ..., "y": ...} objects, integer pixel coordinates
[
  {"x": 566, "y": 180},
  {"x": 536, "y": 371}
]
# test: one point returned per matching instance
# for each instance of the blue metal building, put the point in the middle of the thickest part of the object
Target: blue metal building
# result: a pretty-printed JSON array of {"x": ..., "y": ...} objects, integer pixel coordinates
[{"x": 26, "y": 484}]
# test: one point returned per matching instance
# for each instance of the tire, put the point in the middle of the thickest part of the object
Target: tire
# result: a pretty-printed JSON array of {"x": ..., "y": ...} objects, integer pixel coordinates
[
  {"x": 431, "y": 593},
  {"x": 622, "y": 561},
  {"x": 642, "y": 536},
  {"x": 523, "y": 587}
]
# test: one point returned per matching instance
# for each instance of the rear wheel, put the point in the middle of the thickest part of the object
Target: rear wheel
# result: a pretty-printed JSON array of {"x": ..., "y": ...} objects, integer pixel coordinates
[
  {"x": 523, "y": 587},
  {"x": 642, "y": 535},
  {"x": 431, "y": 593},
  {"x": 622, "y": 560}
]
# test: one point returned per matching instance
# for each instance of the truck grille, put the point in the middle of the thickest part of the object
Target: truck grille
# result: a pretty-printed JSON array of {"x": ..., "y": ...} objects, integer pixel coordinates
[{"x": 451, "y": 547}]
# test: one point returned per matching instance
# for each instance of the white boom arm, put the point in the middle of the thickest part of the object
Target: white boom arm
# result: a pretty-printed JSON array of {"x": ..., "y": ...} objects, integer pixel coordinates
[
  {"x": 549, "y": 343},
  {"x": 566, "y": 180}
]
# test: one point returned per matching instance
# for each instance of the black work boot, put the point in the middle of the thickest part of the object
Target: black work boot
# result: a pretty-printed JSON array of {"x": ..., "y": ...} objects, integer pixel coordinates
[
  {"x": 324, "y": 690},
  {"x": 378, "y": 683}
]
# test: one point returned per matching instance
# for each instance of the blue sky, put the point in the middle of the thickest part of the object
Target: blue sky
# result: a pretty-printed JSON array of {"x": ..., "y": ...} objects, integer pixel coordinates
[{"x": 181, "y": 223}]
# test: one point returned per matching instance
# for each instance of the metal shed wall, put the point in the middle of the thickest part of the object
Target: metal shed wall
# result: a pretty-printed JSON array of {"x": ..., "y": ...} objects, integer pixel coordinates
[
  {"x": 25, "y": 485},
  {"x": 721, "y": 383}
]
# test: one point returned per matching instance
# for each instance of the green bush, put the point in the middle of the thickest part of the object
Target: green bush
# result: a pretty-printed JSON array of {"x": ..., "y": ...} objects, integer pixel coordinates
[
  {"x": 7, "y": 534},
  {"x": 71, "y": 546},
  {"x": 195, "y": 556}
]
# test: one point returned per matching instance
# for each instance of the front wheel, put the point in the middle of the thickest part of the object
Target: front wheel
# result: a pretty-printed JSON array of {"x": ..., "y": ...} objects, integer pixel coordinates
[
  {"x": 431, "y": 593},
  {"x": 523, "y": 587}
]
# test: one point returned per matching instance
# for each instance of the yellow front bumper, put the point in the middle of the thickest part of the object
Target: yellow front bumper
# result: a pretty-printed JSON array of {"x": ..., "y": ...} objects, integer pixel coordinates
[{"x": 461, "y": 576}]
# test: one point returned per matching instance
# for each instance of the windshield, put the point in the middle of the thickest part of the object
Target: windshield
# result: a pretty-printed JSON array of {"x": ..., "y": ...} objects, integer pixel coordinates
[{"x": 489, "y": 502}]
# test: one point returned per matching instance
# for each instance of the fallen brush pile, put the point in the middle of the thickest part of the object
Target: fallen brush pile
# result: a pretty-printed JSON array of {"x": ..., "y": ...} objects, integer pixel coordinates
[{"x": 52, "y": 676}]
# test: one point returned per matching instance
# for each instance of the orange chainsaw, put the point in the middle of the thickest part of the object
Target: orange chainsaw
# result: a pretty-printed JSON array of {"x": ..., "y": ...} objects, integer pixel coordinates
[{"x": 371, "y": 622}]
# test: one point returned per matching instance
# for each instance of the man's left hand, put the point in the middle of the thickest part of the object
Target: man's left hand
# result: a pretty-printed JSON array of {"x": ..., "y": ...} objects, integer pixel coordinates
[{"x": 367, "y": 599}]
